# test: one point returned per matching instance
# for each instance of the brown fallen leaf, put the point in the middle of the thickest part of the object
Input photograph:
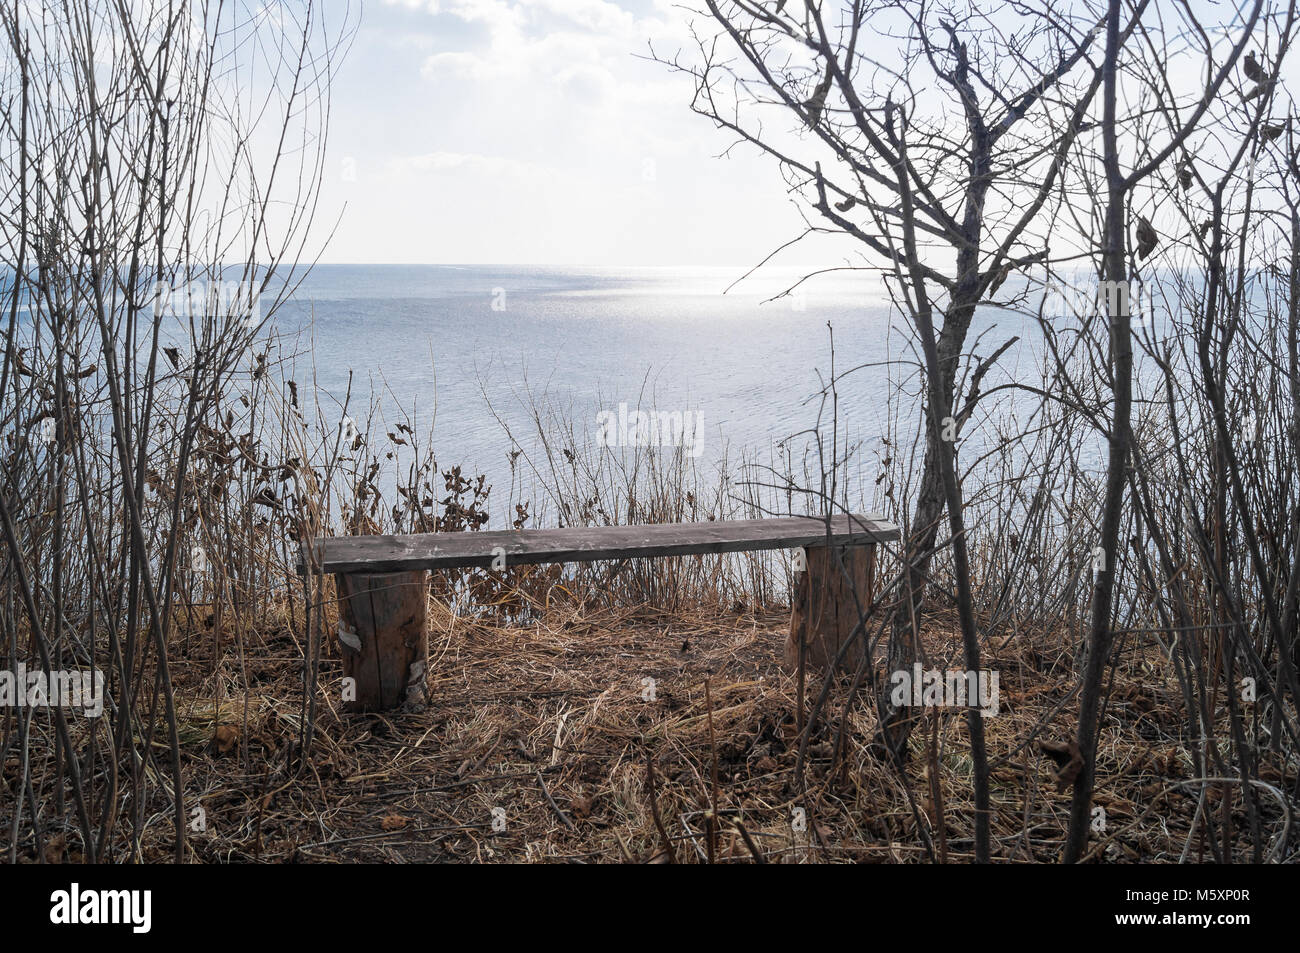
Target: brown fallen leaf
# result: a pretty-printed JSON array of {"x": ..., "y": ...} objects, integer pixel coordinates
[
  {"x": 580, "y": 807},
  {"x": 54, "y": 849},
  {"x": 1114, "y": 804},
  {"x": 227, "y": 736},
  {"x": 1058, "y": 751},
  {"x": 1170, "y": 764},
  {"x": 1068, "y": 761},
  {"x": 394, "y": 822}
]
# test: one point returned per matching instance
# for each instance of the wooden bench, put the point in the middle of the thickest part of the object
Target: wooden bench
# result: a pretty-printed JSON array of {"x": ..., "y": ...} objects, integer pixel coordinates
[{"x": 383, "y": 586}]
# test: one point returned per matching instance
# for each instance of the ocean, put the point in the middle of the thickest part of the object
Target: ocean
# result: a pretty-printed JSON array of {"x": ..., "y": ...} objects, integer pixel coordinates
[{"x": 473, "y": 348}]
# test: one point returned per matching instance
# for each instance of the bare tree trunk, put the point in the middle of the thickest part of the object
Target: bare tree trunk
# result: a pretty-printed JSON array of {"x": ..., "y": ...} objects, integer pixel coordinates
[{"x": 1121, "y": 347}]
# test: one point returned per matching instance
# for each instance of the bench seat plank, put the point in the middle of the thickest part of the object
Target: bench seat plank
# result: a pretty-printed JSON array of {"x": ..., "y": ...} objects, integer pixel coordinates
[{"x": 591, "y": 543}]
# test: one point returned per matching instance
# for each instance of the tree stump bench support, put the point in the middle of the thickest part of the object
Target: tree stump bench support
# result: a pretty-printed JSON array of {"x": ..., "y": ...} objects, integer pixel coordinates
[
  {"x": 383, "y": 621},
  {"x": 383, "y": 584},
  {"x": 823, "y": 607}
]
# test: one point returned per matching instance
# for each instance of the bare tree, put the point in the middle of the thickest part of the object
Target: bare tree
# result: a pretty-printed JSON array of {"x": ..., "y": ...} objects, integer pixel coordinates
[
  {"x": 957, "y": 145},
  {"x": 1184, "y": 112},
  {"x": 160, "y": 164},
  {"x": 942, "y": 158}
]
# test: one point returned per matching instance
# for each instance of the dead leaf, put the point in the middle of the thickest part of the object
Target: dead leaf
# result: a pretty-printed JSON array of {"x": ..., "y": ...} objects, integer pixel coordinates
[
  {"x": 1003, "y": 273},
  {"x": 1114, "y": 804},
  {"x": 1170, "y": 764},
  {"x": 395, "y": 822},
  {"x": 1252, "y": 68},
  {"x": 817, "y": 101},
  {"x": 1068, "y": 761},
  {"x": 227, "y": 737},
  {"x": 1147, "y": 238},
  {"x": 54, "y": 848}
]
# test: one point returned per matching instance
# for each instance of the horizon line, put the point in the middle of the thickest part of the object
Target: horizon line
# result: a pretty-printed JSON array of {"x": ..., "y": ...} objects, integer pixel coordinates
[{"x": 541, "y": 264}]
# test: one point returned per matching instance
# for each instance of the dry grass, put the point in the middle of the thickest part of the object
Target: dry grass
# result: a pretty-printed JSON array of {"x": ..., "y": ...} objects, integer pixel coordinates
[{"x": 552, "y": 724}]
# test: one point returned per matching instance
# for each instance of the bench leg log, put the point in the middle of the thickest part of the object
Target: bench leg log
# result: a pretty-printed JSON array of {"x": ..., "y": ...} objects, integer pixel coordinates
[
  {"x": 823, "y": 609},
  {"x": 383, "y": 639}
]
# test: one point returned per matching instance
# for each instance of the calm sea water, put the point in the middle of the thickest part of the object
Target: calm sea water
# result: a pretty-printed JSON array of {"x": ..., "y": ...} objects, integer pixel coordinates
[{"x": 476, "y": 346}]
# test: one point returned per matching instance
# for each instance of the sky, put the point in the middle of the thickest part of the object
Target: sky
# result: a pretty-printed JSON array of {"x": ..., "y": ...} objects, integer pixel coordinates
[
  {"x": 533, "y": 131},
  {"x": 538, "y": 132}
]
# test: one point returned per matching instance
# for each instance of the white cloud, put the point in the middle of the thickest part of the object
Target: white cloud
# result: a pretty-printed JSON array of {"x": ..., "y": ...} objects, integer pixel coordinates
[
  {"x": 594, "y": 15},
  {"x": 535, "y": 131},
  {"x": 435, "y": 162},
  {"x": 493, "y": 12}
]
